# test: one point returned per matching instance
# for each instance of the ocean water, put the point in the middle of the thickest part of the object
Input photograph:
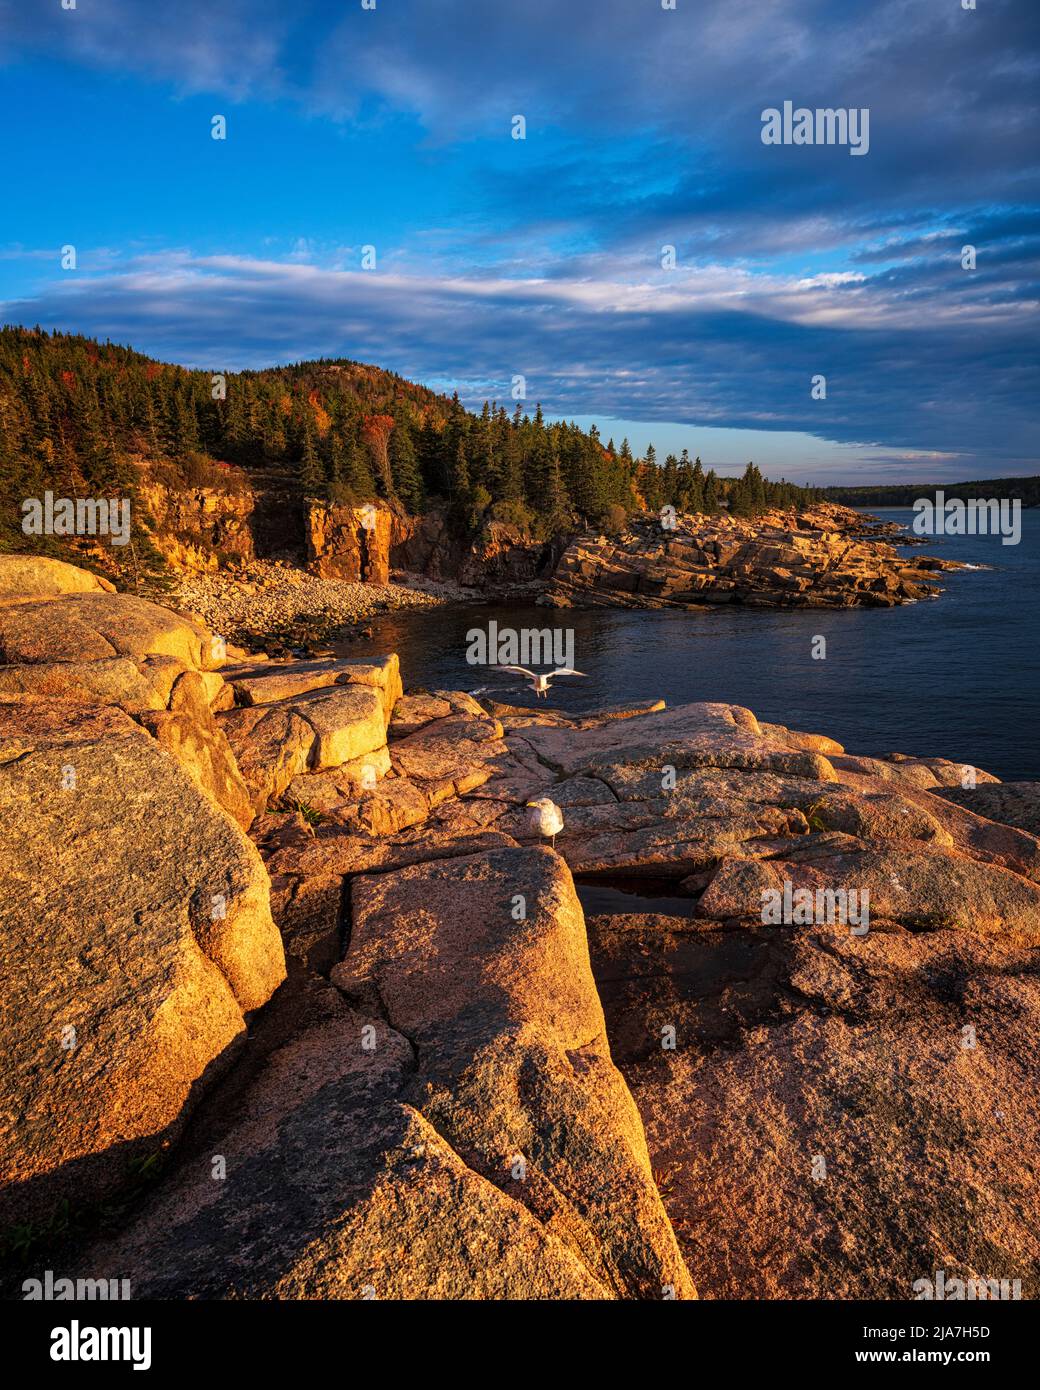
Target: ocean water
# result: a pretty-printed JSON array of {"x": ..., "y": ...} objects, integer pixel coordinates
[{"x": 955, "y": 677}]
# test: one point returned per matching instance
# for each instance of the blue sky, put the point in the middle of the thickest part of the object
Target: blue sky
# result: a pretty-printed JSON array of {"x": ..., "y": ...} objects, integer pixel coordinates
[{"x": 495, "y": 257}]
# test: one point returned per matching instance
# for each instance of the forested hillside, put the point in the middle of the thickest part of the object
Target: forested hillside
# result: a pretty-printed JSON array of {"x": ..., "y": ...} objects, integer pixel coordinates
[
  {"x": 906, "y": 494},
  {"x": 83, "y": 419}
]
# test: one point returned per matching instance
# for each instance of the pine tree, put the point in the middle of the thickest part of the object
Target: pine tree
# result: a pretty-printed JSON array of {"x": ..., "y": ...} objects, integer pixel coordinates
[
  {"x": 557, "y": 511},
  {"x": 685, "y": 490},
  {"x": 458, "y": 479},
  {"x": 404, "y": 467},
  {"x": 358, "y": 476},
  {"x": 670, "y": 479},
  {"x": 312, "y": 475},
  {"x": 335, "y": 466},
  {"x": 186, "y": 425},
  {"x": 236, "y": 422}
]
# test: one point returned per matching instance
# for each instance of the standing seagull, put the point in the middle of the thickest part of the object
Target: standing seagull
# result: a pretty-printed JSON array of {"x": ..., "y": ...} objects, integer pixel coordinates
[
  {"x": 546, "y": 817},
  {"x": 540, "y": 684}
]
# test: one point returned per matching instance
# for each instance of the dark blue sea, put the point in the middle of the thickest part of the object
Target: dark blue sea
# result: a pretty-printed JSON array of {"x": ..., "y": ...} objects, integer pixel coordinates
[{"x": 956, "y": 677}]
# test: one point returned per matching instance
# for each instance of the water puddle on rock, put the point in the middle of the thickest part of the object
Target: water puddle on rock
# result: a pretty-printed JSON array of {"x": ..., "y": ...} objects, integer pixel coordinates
[
  {"x": 656, "y": 897},
  {"x": 657, "y": 965}
]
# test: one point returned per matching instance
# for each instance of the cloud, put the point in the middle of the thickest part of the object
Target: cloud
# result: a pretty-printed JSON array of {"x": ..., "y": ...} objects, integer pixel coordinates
[
  {"x": 659, "y": 111},
  {"x": 236, "y": 46},
  {"x": 709, "y": 347},
  {"x": 699, "y": 75},
  {"x": 643, "y": 130}
]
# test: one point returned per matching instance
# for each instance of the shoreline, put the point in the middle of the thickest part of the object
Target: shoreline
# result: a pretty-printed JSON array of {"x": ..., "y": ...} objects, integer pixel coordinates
[
  {"x": 282, "y": 606},
  {"x": 279, "y": 607}
]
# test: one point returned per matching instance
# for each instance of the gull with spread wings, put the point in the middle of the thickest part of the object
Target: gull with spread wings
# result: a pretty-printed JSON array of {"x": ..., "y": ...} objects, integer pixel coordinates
[{"x": 540, "y": 684}]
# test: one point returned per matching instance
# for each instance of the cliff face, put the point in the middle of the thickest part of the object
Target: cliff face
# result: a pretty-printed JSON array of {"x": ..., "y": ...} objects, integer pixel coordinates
[
  {"x": 206, "y": 529},
  {"x": 350, "y": 543},
  {"x": 500, "y": 556},
  {"x": 815, "y": 559},
  {"x": 366, "y": 543},
  {"x": 203, "y": 528},
  {"x": 209, "y": 528}
]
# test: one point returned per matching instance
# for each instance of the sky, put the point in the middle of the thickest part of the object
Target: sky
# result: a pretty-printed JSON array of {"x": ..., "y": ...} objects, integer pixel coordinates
[{"x": 391, "y": 127}]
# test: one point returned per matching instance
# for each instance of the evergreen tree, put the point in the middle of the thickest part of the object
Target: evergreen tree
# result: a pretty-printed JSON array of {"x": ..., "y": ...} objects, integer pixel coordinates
[
  {"x": 404, "y": 466},
  {"x": 185, "y": 423},
  {"x": 670, "y": 480},
  {"x": 312, "y": 475},
  {"x": 458, "y": 476},
  {"x": 358, "y": 475},
  {"x": 557, "y": 512}
]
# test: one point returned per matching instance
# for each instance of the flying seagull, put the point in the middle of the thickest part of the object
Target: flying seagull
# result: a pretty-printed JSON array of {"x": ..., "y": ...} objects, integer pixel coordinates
[
  {"x": 540, "y": 684},
  {"x": 546, "y": 818}
]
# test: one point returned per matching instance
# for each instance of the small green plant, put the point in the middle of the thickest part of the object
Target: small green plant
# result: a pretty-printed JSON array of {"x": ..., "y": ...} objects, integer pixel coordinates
[
  {"x": 931, "y": 921},
  {"x": 65, "y": 1222},
  {"x": 310, "y": 815},
  {"x": 20, "y": 1239},
  {"x": 144, "y": 1168}
]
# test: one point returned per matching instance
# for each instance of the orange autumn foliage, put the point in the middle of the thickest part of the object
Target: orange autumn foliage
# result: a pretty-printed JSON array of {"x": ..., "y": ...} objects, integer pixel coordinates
[
  {"x": 376, "y": 430},
  {"x": 322, "y": 418}
]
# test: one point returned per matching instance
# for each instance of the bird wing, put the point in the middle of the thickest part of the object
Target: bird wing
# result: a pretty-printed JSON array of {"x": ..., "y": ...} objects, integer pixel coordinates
[
  {"x": 517, "y": 671},
  {"x": 565, "y": 671}
]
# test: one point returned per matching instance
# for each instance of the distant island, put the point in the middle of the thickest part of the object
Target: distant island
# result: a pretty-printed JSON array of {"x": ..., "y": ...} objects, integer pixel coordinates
[{"x": 1027, "y": 490}]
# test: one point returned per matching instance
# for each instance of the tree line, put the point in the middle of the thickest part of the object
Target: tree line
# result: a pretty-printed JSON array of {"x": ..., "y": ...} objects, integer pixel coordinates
[
  {"x": 906, "y": 494},
  {"x": 84, "y": 418}
]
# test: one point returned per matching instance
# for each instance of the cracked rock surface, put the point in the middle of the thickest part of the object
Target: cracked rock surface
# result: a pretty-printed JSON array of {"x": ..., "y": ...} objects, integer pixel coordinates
[{"x": 467, "y": 1086}]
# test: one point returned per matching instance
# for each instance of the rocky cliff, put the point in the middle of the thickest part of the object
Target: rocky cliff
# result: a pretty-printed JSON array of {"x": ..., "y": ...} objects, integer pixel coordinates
[
  {"x": 211, "y": 528},
  {"x": 201, "y": 529},
  {"x": 286, "y": 940},
  {"x": 368, "y": 543}
]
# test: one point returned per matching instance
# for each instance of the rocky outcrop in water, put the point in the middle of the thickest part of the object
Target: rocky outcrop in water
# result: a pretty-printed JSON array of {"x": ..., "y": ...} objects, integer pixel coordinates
[
  {"x": 817, "y": 559},
  {"x": 446, "y": 1079}
]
